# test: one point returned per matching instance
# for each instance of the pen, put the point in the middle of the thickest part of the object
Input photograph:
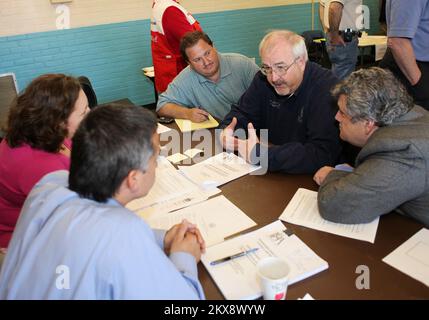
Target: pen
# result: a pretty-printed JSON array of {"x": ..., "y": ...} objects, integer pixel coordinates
[{"x": 237, "y": 255}]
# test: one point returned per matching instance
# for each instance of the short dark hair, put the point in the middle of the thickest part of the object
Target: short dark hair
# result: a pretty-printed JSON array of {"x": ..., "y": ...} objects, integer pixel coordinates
[
  {"x": 39, "y": 115},
  {"x": 190, "y": 39},
  {"x": 111, "y": 141}
]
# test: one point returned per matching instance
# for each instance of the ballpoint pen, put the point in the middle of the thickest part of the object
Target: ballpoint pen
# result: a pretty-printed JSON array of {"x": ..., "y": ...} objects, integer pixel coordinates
[{"x": 234, "y": 256}]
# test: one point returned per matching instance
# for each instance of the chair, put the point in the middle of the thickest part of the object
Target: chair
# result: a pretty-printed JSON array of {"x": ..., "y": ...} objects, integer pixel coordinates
[
  {"x": 8, "y": 92},
  {"x": 86, "y": 85},
  {"x": 316, "y": 49}
]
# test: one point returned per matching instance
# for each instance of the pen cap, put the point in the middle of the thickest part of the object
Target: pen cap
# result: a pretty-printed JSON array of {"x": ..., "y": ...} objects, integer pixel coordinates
[{"x": 274, "y": 274}]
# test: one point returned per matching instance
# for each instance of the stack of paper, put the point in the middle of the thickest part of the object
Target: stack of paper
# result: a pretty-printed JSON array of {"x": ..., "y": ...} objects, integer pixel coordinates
[
  {"x": 188, "y": 125},
  {"x": 170, "y": 191},
  {"x": 218, "y": 170},
  {"x": 216, "y": 219},
  {"x": 303, "y": 210},
  {"x": 237, "y": 278}
]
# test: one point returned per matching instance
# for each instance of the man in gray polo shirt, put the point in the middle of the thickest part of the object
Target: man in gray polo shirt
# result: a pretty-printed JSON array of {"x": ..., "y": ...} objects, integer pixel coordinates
[
  {"x": 408, "y": 46},
  {"x": 209, "y": 85}
]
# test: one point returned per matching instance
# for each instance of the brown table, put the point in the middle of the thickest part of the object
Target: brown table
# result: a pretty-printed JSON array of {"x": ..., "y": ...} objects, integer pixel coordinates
[{"x": 263, "y": 198}]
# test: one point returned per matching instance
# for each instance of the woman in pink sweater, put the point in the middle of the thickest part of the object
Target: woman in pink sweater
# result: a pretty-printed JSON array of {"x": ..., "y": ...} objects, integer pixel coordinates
[{"x": 41, "y": 123}]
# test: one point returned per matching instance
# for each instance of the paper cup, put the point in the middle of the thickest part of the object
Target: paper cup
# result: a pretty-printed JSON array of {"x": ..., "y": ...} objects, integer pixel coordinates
[{"x": 273, "y": 273}]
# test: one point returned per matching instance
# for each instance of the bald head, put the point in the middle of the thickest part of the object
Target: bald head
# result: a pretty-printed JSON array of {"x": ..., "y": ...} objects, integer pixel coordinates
[{"x": 290, "y": 40}]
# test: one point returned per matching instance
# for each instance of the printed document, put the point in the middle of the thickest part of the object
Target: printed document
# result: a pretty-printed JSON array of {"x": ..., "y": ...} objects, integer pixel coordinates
[
  {"x": 179, "y": 202},
  {"x": 169, "y": 184},
  {"x": 217, "y": 218},
  {"x": 218, "y": 170},
  {"x": 237, "y": 278},
  {"x": 412, "y": 257},
  {"x": 302, "y": 210}
]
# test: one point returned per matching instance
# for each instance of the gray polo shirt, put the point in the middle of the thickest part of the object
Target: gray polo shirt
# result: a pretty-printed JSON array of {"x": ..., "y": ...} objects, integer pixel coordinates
[
  {"x": 190, "y": 89},
  {"x": 410, "y": 19}
]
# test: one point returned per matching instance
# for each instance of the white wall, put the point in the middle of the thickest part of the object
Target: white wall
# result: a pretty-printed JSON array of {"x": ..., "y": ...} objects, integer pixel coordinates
[{"x": 28, "y": 16}]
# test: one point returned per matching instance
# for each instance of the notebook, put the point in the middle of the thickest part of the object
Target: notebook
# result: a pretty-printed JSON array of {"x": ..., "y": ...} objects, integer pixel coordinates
[{"x": 188, "y": 125}]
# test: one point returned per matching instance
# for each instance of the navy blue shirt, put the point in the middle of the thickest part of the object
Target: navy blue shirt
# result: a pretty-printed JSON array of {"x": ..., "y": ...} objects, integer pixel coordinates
[{"x": 301, "y": 127}]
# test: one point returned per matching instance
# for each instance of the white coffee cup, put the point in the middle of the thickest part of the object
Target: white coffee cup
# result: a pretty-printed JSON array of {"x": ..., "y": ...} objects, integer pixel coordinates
[{"x": 273, "y": 273}]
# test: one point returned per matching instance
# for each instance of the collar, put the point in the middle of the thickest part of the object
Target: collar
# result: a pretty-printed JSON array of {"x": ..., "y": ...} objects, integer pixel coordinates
[{"x": 113, "y": 202}]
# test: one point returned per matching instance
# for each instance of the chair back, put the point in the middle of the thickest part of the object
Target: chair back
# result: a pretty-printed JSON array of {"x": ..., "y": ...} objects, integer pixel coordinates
[{"x": 8, "y": 92}]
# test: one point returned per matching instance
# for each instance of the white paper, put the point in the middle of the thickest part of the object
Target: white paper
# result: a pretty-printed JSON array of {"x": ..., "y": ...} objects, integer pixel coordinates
[
  {"x": 176, "y": 158},
  {"x": 182, "y": 201},
  {"x": 169, "y": 184},
  {"x": 161, "y": 128},
  {"x": 380, "y": 50},
  {"x": 218, "y": 170},
  {"x": 216, "y": 218},
  {"x": 412, "y": 257},
  {"x": 237, "y": 278},
  {"x": 148, "y": 69},
  {"x": 302, "y": 210},
  {"x": 193, "y": 152}
]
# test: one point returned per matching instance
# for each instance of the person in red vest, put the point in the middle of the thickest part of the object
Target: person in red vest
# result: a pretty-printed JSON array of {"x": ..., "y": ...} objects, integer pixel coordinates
[{"x": 169, "y": 22}]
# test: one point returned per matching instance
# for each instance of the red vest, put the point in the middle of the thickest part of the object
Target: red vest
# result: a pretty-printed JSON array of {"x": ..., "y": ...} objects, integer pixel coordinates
[{"x": 165, "y": 63}]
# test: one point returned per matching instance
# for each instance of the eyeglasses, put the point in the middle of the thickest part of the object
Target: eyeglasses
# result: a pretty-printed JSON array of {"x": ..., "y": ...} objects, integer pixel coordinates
[{"x": 279, "y": 70}]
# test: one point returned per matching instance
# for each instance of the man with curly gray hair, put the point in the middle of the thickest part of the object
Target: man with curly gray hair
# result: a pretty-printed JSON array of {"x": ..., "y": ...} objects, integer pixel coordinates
[{"x": 391, "y": 171}]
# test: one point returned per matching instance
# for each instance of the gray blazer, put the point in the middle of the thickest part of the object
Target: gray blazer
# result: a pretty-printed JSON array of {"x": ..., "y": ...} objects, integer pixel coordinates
[{"x": 391, "y": 173}]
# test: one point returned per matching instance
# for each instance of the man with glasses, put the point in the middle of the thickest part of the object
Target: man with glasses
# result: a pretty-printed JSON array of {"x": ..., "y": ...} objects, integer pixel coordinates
[
  {"x": 210, "y": 84},
  {"x": 290, "y": 98}
]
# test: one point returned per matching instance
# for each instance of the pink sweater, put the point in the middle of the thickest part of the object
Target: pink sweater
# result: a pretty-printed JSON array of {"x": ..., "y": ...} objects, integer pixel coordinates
[{"x": 20, "y": 169}]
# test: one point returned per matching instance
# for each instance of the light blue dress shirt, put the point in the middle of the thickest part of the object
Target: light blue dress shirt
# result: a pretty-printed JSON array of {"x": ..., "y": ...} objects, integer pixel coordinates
[
  {"x": 67, "y": 247},
  {"x": 190, "y": 89}
]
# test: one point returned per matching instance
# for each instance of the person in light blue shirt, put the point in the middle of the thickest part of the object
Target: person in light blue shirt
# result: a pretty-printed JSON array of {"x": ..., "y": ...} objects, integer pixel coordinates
[
  {"x": 76, "y": 240},
  {"x": 209, "y": 85}
]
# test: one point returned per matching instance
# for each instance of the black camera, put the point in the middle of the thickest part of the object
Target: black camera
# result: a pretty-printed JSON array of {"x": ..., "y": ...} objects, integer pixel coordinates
[{"x": 348, "y": 34}]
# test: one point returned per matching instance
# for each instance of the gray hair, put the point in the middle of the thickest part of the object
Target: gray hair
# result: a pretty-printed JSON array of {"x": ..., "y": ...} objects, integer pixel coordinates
[
  {"x": 374, "y": 94},
  {"x": 297, "y": 42}
]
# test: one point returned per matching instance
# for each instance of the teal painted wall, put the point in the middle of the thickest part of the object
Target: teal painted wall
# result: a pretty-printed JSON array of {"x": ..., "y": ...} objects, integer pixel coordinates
[{"x": 112, "y": 55}]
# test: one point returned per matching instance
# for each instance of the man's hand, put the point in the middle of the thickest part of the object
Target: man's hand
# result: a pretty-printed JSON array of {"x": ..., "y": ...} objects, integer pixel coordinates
[
  {"x": 245, "y": 147},
  {"x": 172, "y": 233},
  {"x": 197, "y": 115},
  {"x": 186, "y": 241},
  {"x": 321, "y": 174},
  {"x": 227, "y": 139},
  {"x": 336, "y": 39}
]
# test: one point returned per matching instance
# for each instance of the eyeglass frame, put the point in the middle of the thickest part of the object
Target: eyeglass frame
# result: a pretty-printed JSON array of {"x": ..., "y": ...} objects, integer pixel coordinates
[{"x": 280, "y": 74}]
